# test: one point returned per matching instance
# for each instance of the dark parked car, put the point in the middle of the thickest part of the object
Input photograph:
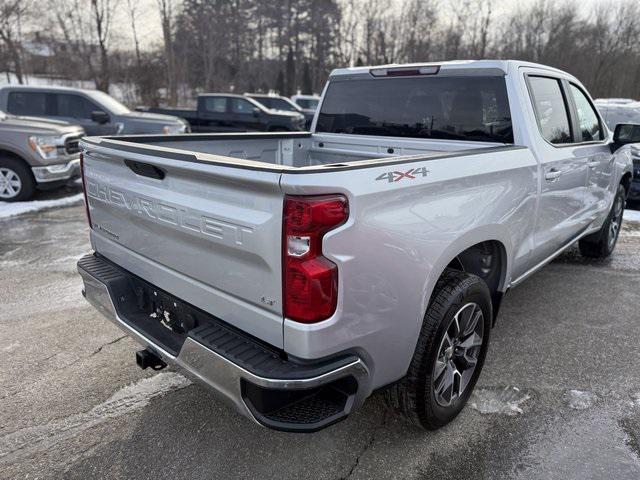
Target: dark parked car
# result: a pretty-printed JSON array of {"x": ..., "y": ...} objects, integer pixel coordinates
[
  {"x": 276, "y": 102},
  {"x": 95, "y": 111},
  {"x": 223, "y": 112},
  {"x": 615, "y": 111}
]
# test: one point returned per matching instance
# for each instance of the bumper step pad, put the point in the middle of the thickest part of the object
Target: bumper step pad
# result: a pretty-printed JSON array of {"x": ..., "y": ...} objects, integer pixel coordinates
[{"x": 290, "y": 409}]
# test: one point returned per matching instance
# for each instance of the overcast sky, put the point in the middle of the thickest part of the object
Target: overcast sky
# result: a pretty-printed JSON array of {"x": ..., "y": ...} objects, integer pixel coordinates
[
  {"x": 147, "y": 24},
  {"x": 150, "y": 34}
]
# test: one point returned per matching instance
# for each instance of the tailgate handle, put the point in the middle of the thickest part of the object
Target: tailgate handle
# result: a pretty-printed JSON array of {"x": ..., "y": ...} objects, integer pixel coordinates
[{"x": 145, "y": 169}]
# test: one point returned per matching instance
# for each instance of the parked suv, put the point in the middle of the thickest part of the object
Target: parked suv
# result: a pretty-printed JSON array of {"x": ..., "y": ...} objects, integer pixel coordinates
[
  {"x": 227, "y": 112},
  {"x": 36, "y": 153},
  {"x": 308, "y": 104},
  {"x": 97, "y": 112},
  {"x": 277, "y": 102}
]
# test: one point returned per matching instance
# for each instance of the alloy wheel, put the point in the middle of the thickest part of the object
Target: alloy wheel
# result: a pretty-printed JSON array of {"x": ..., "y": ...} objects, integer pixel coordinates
[
  {"x": 458, "y": 354},
  {"x": 10, "y": 183},
  {"x": 616, "y": 221}
]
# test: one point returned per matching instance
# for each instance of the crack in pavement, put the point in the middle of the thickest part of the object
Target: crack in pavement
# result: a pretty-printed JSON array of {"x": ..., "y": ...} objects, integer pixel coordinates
[
  {"x": 99, "y": 349},
  {"x": 62, "y": 367},
  {"x": 367, "y": 446}
]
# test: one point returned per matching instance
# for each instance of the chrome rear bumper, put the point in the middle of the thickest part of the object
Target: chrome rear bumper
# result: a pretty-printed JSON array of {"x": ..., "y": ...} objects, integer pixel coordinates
[{"x": 228, "y": 379}]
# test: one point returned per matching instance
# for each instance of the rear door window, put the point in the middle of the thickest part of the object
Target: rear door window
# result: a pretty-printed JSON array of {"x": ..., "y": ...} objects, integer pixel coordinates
[
  {"x": 590, "y": 128},
  {"x": 74, "y": 106},
  {"x": 27, "y": 103},
  {"x": 474, "y": 108},
  {"x": 215, "y": 104},
  {"x": 551, "y": 109},
  {"x": 240, "y": 105}
]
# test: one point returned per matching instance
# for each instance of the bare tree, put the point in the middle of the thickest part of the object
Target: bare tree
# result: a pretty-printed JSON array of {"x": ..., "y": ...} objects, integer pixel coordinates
[
  {"x": 167, "y": 13},
  {"x": 102, "y": 11},
  {"x": 12, "y": 13},
  {"x": 133, "y": 17},
  {"x": 85, "y": 27}
]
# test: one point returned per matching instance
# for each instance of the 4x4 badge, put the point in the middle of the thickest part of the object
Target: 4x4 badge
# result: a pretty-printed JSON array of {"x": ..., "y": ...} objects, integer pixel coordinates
[{"x": 410, "y": 174}]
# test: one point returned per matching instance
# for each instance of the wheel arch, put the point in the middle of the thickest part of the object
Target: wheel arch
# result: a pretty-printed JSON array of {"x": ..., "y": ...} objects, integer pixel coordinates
[
  {"x": 466, "y": 253},
  {"x": 625, "y": 181},
  {"x": 8, "y": 152}
]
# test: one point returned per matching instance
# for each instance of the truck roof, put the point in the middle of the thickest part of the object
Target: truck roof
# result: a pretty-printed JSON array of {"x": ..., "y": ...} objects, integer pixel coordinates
[
  {"x": 497, "y": 65},
  {"x": 57, "y": 88}
]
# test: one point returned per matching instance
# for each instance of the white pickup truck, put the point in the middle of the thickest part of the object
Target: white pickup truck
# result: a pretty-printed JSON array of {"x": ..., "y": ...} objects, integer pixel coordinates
[{"x": 296, "y": 273}]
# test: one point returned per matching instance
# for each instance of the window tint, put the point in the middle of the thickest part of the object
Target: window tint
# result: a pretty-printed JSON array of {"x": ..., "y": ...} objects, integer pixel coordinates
[
  {"x": 307, "y": 103},
  {"x": 27, "y": 103},
  {"x": 240, "y": 105},
  {"x": 590, "y": 129},
  {"x": 459, "y": 108},
  {"x": 551, "y": 111},
  {"x": 74, "y": 106},
  {"x": 215, "y": 104},
  {"x": 276, "y": 103}
]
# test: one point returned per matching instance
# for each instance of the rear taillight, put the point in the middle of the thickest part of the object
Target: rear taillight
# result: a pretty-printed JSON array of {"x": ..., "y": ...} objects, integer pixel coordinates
[
  {"x": 310, "y": 281},
  {"x": 84, "y": 189}
]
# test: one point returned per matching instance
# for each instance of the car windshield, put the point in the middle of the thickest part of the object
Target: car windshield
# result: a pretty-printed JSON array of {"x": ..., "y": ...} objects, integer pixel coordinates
[
  {"x": 108, "y": 102},
  {"x": 308, "y": 103},
  {"x": 445, "y": 107},
  {"x": 277, "y": 103}
]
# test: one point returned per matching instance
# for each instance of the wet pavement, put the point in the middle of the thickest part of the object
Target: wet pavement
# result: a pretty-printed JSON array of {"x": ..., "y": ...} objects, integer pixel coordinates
[{"x": 559, "y": 397}]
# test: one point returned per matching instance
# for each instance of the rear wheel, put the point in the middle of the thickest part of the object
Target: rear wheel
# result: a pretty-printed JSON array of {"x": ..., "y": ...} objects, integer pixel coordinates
[
  {"x": 602, "y": 243},
  {"x": 16, "y": 181},
  {"x": 449, "y": 355}
]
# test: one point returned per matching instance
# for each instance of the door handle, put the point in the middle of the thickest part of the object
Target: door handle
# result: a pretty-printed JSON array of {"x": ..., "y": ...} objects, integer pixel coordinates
[
  {"x": 552, "y": 175},
  {"x": 593, "y": 164}
]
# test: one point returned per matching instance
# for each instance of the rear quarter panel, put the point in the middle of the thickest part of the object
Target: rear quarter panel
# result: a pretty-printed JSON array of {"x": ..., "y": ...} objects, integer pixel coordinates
[{"x": 401, "y": 235}]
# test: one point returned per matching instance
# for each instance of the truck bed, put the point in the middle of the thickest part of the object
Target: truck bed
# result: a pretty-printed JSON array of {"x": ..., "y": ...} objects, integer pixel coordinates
[{"x": 285, "y": 151}]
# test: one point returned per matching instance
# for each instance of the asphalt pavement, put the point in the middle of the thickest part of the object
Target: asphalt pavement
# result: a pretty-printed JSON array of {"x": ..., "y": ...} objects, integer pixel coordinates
[{"x": 559, "y": 397}]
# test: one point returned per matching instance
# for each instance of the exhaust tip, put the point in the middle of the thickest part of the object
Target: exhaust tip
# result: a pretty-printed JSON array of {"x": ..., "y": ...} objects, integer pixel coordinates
[{"x": 148, "y": 359}]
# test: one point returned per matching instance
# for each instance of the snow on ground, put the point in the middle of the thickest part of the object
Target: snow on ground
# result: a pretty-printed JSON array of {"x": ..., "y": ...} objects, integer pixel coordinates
[
  {"x": 506, "y": 401},
  {"x": 581, "y": 400},
  {"x": 125, "y": 401},
  {"x": 18, "y": 208},
  {"x": 632, "y": 215}
]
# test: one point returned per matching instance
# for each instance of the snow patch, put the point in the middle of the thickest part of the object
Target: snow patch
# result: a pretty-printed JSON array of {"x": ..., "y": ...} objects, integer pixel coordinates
[
  {"x": 631, "y": 215},
  {"x": 581, "y": 400},
  {"x": 498, "y": 400},
  {"x": 125, "y": 401},
  {"x": 18, "y": 208}
]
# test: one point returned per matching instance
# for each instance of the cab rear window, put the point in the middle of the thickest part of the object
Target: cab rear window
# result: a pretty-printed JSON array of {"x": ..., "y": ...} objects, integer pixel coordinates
[{"x": 474, "y": 108}]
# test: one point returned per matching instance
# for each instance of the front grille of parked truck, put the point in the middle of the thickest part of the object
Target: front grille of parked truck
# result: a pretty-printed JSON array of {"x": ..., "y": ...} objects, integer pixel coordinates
[{"x": 72, "y": 145}]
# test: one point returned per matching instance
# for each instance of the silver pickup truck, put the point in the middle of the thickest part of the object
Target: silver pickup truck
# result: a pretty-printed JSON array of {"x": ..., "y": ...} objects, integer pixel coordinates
[{"x": 296, "y": 273}]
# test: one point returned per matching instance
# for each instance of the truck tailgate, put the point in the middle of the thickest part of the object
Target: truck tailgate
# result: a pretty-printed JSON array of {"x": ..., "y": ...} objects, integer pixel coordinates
[{"x": 206, "y": 233}]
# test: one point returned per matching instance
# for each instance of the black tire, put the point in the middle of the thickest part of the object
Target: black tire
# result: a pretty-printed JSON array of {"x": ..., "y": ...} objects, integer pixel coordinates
[
  {"x": 414, "y": 396},
  {"x": 602, "y": 243},
  {"x": 27, "y": 184}
]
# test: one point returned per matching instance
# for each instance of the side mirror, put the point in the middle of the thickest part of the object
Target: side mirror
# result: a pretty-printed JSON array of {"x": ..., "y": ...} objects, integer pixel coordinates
[
  {"x": 256, "y": 112},
  {"x": 626, "y": 133},
  {"x": 99, "y": 117}
]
